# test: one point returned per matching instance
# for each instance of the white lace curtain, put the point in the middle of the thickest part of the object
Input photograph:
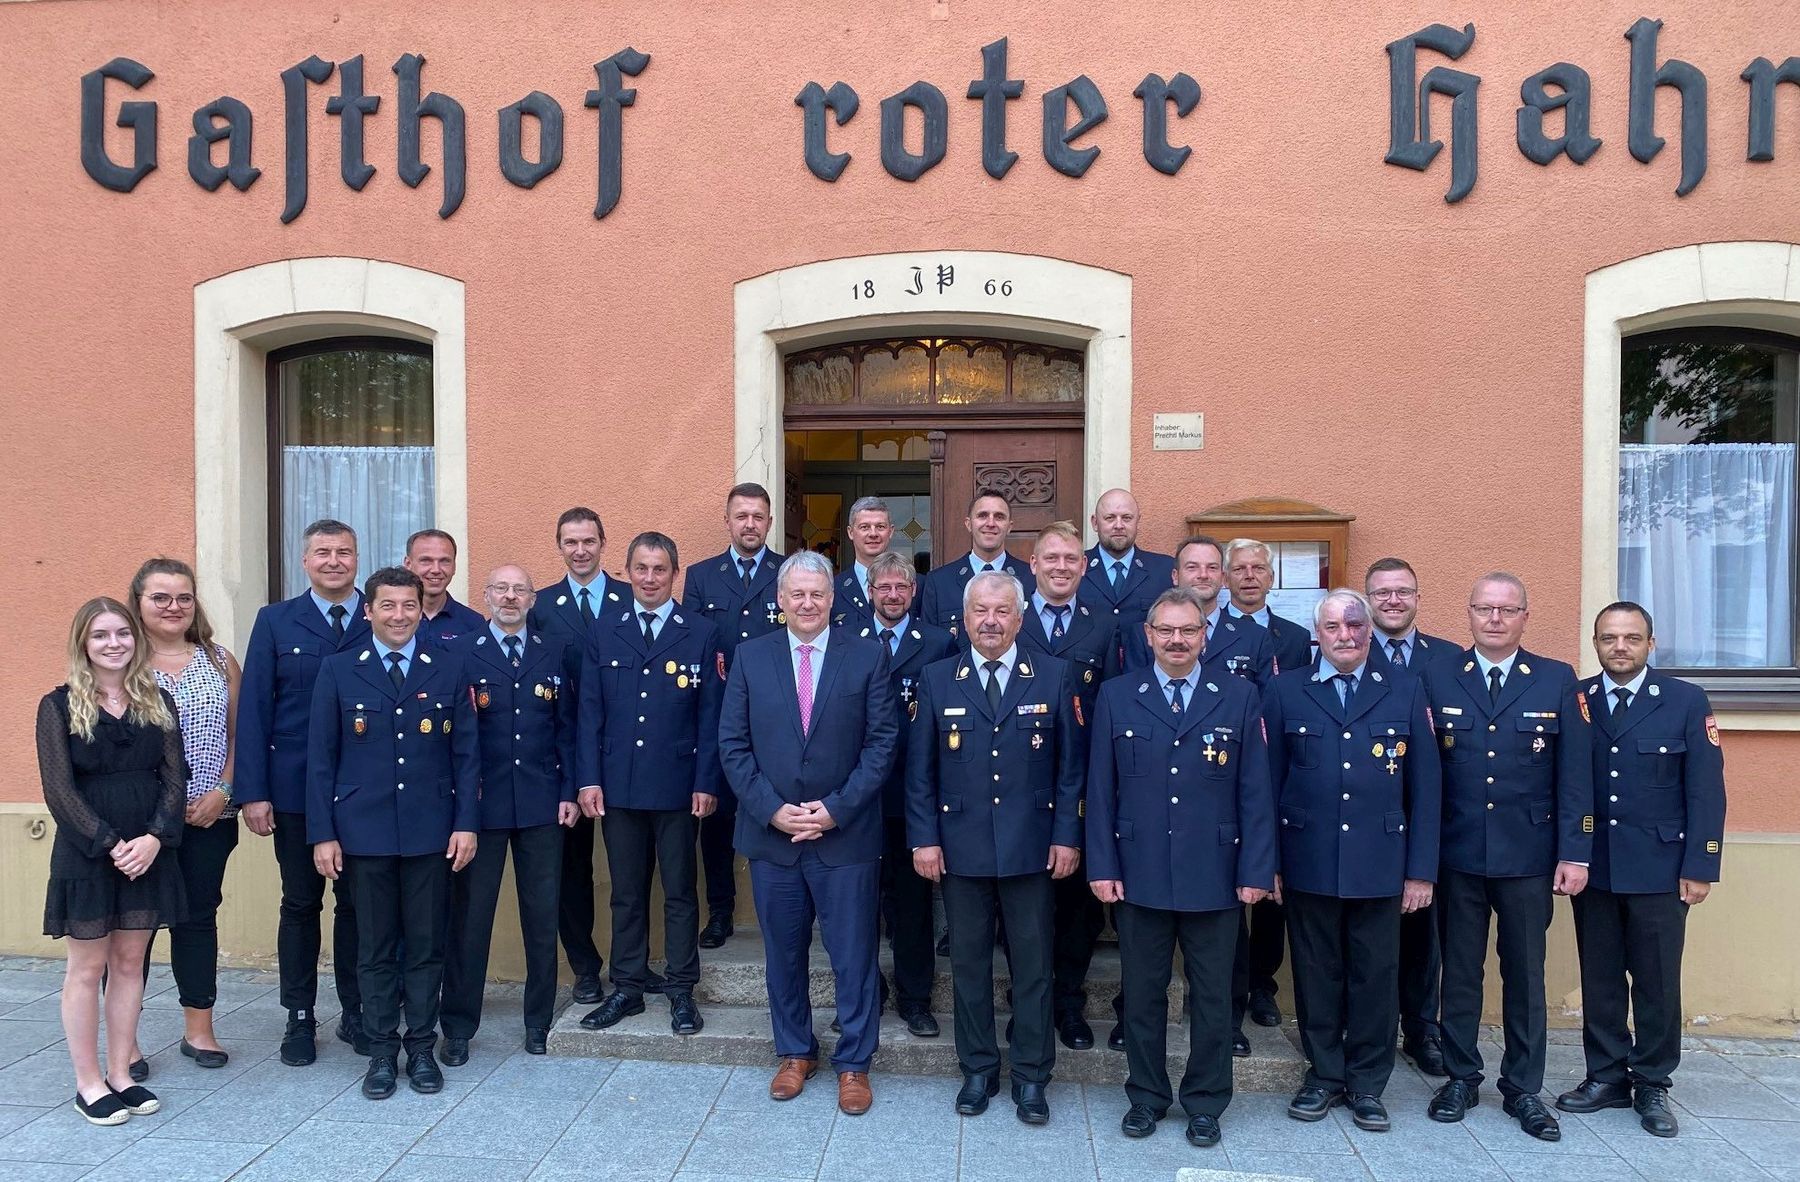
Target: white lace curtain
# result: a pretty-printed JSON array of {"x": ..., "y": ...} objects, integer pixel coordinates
[
  {"x": 1706, "y": 543},
  {"x": 383, "y": 493}
]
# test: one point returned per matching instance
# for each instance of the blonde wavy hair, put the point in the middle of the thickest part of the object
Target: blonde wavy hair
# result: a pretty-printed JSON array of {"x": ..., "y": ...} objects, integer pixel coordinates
[{"x": 147, "y": 705}]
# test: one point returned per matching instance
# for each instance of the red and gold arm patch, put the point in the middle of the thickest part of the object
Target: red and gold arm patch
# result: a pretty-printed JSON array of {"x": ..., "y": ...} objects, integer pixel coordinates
[
  {"x": 1712, "y": 731},
  {"x": 1581, "y": 701}
]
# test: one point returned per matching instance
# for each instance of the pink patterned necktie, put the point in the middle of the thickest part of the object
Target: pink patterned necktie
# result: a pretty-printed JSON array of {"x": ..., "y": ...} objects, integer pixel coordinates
[{"x": 805, "y": 688}]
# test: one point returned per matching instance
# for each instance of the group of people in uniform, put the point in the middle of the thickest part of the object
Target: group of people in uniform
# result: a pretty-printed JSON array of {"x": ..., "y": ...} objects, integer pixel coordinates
[{"x": 1159, "y": 747}]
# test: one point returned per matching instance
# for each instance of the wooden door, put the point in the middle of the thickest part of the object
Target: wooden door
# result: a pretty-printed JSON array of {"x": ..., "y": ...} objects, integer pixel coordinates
[{"x": 1037, "y": 470}]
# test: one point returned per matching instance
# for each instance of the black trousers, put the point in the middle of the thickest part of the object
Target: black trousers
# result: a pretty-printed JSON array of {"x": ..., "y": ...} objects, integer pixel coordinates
[
  {"x": 400, "y": 906},
  {"x": 575, "y": 903},
  {"x": 1027, "y": 903},
  {"x": 1346, "y": 983},
  {"x": 297, "y": 938},
  {"x": 639, "y": 842},
  {"x": 194, "y": 942},
  {"x": 718, "y": 857},
  {"x": 1639, "y": 937},
  {"x": 474, "y": 896},
  {"x": 1262, "y": 932},
  {"x": 1521, "y": 908},
  {"x": 1147, "y": 941},
  {"x": 1421, "y": 964},
  {"x": 906, "y": 909},
  {"x": 1080, "y": 918}
]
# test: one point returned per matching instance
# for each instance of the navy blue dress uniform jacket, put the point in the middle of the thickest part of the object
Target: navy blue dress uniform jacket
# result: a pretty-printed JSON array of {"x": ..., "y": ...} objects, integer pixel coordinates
[
  {"x": 1518, "y": 776},
  {"x": 841, "y": 761},
  {"x": 1426, "y": 652},
  {"x": 1358, "y": 791},
  {"x": 996, "y": 789},
  {"x": 1178, "y": 806},
  {"x": 1659, "y": 789},
  {"x": 850, "y": 608},
  {"x": 649, "y": 729},
  {"x": 715, "y": 591},
  {"x": 1292, "y": 641},
  {"x": 558, "y": 613},
  {"x": 1147, "y": 575},
  {"x": 1239, "y": 646},
  {"x": 392, "y": 771},
  {"x": 525, "y": 719},
  {"x": 941, "y": 598},
  {"x": 454, "y": 621},
  {"x": 288, "y": 643},
  {"x": 920, "y": 645},
  {"x": 1090, "y": 644}
]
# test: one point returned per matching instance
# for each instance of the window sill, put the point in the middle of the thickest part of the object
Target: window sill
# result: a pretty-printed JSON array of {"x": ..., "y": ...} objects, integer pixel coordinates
[{"x": 1752, "y": 703}]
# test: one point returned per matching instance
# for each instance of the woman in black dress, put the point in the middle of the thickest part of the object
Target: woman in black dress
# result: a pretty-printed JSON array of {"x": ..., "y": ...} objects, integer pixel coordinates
[{"x": 115, "y": 780}]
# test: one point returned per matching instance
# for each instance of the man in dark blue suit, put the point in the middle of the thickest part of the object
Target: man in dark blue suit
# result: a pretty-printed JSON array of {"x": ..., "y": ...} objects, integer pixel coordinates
[
  {"x": 1515, "y": 738},
  {"x": 567, "y": 609},
  {"x": 1356, "y": 780},
  {"x": 807, "y": 766},
  {"x": 1178, "y": 853},
  {"x": 905, "y": 895},
  {"x": 736, "y": 591},
  {"x": 1001, "y": 859},
  {"x": 288, "y": 643},
  {"x": 989, "y": 521},
  {"x": 395, "y": 700},
  {"x": 1121, "y": 578},
  {"x": 431, "y": 554},
  {"x": 1659, "y": 812},
  {"x": 871, "y": 528},
  {"x": 524, "y": 689},
  {"x": 648, "y": 764},
  {"x": 1060, "y": 624},
  {"x": 1393, "y": 591}
]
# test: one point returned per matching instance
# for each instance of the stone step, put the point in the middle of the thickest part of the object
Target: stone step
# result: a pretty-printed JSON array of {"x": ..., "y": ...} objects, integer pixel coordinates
[
  {"x": 733, "y": 975},
  {"x": 740, "y": 1036}
]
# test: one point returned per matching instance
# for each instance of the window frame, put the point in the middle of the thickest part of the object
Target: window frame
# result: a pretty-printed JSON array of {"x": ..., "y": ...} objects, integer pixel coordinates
[
  {"x": 812, "y": 417},
  {"x": 276, "y": 420}
]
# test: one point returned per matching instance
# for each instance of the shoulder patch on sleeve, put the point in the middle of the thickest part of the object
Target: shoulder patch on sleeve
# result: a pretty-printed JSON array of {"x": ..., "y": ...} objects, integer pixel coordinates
[
  {"x": 719, "y": 664},
  {"x": 1581, "y": 701},
  {"x": 1076, "y": 701},
  {"x": 1712, "y": 730}
]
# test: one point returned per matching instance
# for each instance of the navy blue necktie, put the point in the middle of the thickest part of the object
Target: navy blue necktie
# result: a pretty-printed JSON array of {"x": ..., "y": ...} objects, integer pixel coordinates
[{"x": 394, "y": 673}]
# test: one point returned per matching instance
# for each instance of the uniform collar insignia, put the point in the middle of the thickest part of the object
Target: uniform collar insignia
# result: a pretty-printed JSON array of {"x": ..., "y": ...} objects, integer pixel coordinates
[
  {"x": 480, "y": 640},
  {"x": 1093, "y": 562},
  {"x": 561, "y": 599},
  {"x": 915, "y": 634},
  {"x": 613, "y": 595},
  {"x": 1211, "y": 688},
  {"x": 1654, "y": 689},
  {"x": 1144, "y": 688},
  {"x": 864, "y": 632},
  {"x": 1375, "y": 675},
  {"x": 425, "y": 657},
  {"x": 1468, "y": 665},
  {"x": 676, "y": 619},
  {"x": 365, "y": 655},
  {"x": 1023, "y": 669},
  {"x": 1594, "y": 689},
  {"x": 1522, "y": 667},
  {"x": 962, "y": 672}
]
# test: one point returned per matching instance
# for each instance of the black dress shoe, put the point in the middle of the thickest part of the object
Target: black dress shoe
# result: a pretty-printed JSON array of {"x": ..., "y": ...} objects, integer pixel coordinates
[
  {"x": 718, "y": 929},
  {"x": 1140, "y": 1121},
  {"x": 587, "y": 989},
  {"x": 1533, "y": 1117},
  {"x": 920, "y": 1024},
  {"x": 455, "y": 1051},
  {"x": 1030, "y": 1104},
  {"x": 976, "y": 1091},
  {"x": 1263, "y": 1010},
  {"x": 204, "y": 1057},
  {"x": 1369, "y": 1113},
  {"x": 1203, "y": 1131},
  {"x": 139, "y": 1070},
  {"x": 1074, "y": 1032},
  {"x": 1115, "y": 1041},
  {"x": 615, "y": 1009},
  {"x": 1427, "y": 1054},
  {"x": 653, "y": 983},
  {"x": 684, "y": 1015},
  {"x": 378, "y": 1082},
  {"x": 1240, "y": 1045},
  {"x": 1312, "y": 1103},
  {"x": 1652, "y": 1105},
  {"x": 1453, "y": 1101},
  {"x": 537, "y": 1042},
  {"x": 350, "y": 1030},
  {"x": 1592, "y": 1096},
  {"x": 423, "y": 1074},
  {"x": 299, "y": 1044}
]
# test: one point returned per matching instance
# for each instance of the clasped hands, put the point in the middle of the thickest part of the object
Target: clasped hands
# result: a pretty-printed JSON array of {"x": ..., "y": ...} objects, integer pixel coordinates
[
  {"x": 133, "y": 858},
  {"x": 807, "y": 821}
]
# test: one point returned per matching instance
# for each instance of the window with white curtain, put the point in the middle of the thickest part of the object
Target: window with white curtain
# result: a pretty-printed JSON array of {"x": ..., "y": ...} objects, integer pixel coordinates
[
  {"x": 1707, "y": 496},
  {"x": 350, "y": 425}
]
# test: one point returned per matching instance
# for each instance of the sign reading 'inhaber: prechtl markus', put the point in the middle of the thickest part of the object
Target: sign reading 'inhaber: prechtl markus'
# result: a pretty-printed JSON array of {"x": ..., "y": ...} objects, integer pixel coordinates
[{"x": 1562, "y": 87}]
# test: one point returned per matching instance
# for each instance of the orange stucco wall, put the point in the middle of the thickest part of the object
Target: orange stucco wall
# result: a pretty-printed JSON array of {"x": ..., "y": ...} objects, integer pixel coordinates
[{"x": 1353, "y": 340}]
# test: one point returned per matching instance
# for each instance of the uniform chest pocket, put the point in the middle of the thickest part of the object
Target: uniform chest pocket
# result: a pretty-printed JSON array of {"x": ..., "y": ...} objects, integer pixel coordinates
[
  {"x": 433, "y": 723},
  {"x": 956, "y": 742},
  {"x": 1304, "y": 745},
  {"x": 1220, "y": 753},
  {"x": 298, "y": 664},
  {"x": 1455, "y": 737},
  {"x": 1389, "y": 742},
  {"x": 1038, "y": 734},
  {"x": 1537, "y": 740},
  {"x": 1131, "y": 751},
  {"x": 359, "y": 724},
  {"x": 1661, "y": 760}
]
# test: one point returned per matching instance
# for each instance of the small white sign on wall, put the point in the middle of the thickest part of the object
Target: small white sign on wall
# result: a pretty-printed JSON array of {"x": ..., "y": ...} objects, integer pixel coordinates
[{"x": 1179, "y": 432}]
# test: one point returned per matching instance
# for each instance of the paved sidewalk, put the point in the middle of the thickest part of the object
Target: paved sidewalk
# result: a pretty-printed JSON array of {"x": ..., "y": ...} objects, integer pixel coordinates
[{"x": 508, "y": 1115}]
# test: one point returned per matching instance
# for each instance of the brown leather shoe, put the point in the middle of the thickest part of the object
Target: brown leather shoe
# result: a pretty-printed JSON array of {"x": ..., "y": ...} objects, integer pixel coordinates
[
  {"x": 790, "y": 1079},
  {"x": 854, "y": 1096}
]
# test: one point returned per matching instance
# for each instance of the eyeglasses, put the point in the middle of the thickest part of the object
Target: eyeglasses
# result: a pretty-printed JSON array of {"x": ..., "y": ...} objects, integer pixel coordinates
[
  {"x": 1169, "y": 632},
  {"x": 890, "y": 588},
  {"x": 163, "y": 601},
  {"x": 1399, "y": 594},
  {"x": 1492, "y": 610},
  {"x": 519, "y": 589}
]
